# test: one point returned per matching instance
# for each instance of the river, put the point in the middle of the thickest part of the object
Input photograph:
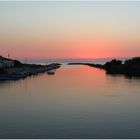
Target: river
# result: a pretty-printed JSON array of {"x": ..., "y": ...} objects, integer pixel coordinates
[{"x": 76, "y": 102}]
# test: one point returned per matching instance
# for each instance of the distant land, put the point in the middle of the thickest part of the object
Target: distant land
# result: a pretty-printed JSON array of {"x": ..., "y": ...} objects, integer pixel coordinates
[
  {"x": 72, "y": 60},
  {"x": 130, "y": 67},
  {"x": 13, "y": 69}
]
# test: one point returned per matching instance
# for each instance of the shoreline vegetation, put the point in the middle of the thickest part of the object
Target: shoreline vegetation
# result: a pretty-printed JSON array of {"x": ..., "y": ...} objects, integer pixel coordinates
[
  {"x": 130, "y": 68},
  {"x": 19, "y": 70}
]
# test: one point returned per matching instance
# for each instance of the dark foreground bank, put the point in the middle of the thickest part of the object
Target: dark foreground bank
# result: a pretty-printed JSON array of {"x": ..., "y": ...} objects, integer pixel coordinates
[
  {"x": 130, "y": 67},
  {"x": 19, "y": 70}
]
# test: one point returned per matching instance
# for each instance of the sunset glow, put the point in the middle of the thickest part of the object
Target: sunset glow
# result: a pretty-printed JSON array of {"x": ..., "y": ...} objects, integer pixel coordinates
[{"x": 45, "y": 30}]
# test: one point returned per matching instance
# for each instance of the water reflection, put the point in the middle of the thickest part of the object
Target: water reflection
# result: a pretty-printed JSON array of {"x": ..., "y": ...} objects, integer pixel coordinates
[
  {"x": 76, "y": 102},
  {"x": 125, "y": 76}
]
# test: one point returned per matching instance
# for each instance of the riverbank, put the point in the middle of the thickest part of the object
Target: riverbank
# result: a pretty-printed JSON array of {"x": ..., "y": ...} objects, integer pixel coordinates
[
  {"x": 24, "y": 70},
  {"x": 130, "y": 67}
]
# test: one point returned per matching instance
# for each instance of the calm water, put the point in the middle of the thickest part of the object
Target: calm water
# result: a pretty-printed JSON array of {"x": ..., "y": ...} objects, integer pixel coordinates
[{"x": 76, "y": 102}]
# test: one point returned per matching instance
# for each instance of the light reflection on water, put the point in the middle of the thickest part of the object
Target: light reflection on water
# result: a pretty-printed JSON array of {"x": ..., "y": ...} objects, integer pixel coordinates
[{"x": 76, "y": 102}]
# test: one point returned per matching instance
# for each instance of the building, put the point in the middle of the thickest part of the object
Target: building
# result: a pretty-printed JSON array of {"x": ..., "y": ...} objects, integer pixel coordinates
[{"x": 6, "y": 63}]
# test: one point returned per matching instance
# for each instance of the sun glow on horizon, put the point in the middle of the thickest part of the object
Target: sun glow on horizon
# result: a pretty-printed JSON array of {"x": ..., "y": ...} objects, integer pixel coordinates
[{"x": 47, "y": 30}]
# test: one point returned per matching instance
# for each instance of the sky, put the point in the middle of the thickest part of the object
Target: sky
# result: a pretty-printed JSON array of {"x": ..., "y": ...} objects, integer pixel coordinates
[{"x": 69, "y": 29}]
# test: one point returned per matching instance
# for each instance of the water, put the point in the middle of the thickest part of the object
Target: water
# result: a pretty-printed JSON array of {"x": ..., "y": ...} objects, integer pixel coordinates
[{"x": 76, "y": 102}]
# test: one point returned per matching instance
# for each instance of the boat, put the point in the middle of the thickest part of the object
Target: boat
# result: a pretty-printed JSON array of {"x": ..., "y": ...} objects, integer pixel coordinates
[
  {"x": 50, "y": 72},
  {"x": 2, "y": 78}
]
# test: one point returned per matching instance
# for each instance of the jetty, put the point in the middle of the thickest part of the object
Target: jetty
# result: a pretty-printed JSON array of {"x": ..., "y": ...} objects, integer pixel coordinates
[
  {"x": 130, "y": 68},
  {"x": 14, "y": 69}
]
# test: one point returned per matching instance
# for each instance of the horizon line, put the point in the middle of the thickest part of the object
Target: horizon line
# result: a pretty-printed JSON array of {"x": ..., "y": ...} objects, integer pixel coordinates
[{"x": 71, "y": 0}]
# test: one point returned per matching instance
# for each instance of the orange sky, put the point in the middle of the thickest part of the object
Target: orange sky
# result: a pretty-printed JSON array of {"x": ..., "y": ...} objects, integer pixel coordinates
[{"x": 39, "y": 30}]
